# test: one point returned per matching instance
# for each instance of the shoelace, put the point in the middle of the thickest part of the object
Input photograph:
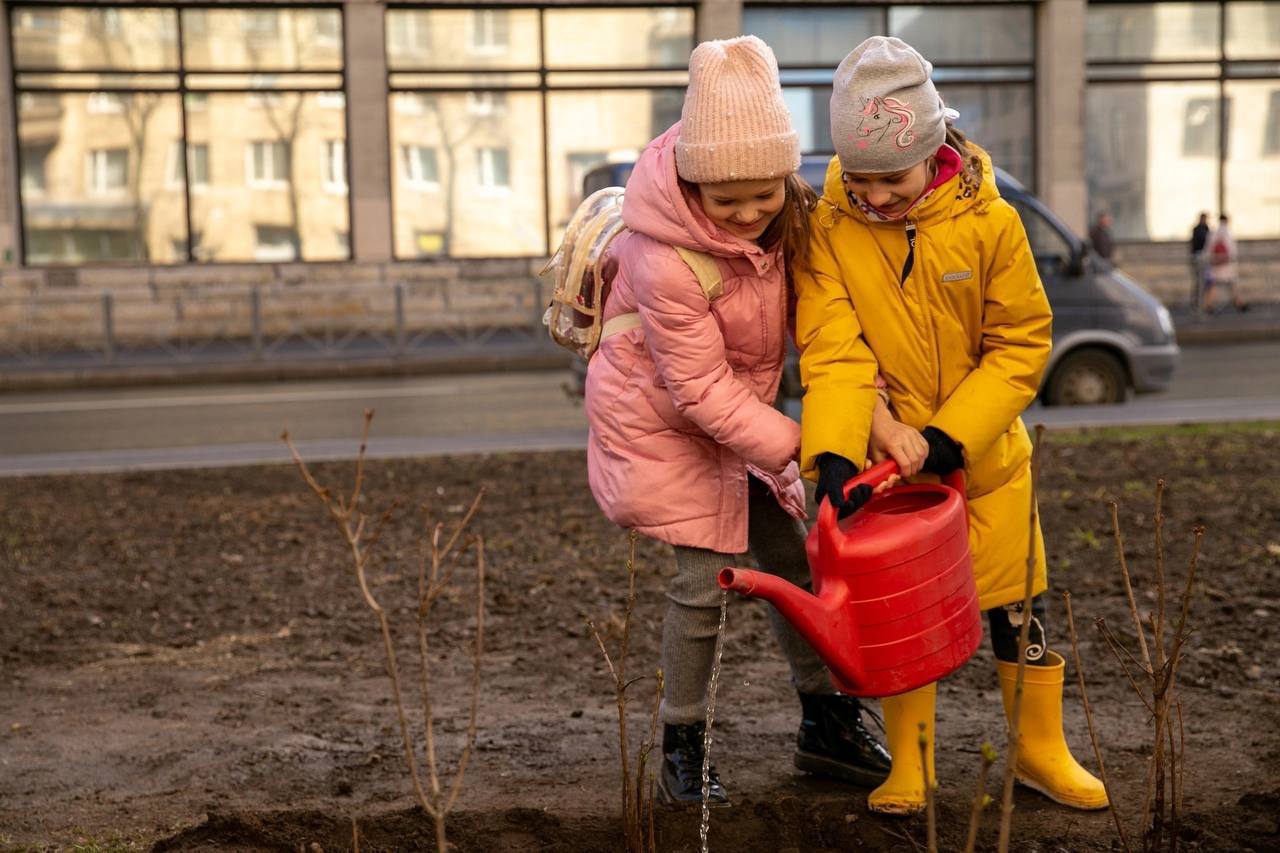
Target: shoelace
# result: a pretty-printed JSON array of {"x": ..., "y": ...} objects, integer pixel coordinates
[{"x": 879, "y": 721}]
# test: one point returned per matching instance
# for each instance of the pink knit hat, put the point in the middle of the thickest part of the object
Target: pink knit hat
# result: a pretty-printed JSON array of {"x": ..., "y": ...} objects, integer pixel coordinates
[{"x": 734, "y": 125}]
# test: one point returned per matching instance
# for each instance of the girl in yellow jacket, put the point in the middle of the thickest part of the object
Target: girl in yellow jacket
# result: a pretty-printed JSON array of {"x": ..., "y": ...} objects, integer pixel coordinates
[{"x": 921, "y": 274}]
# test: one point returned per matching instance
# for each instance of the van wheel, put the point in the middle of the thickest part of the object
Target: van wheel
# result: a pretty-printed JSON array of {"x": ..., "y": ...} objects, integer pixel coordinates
[{"x": 1087, "y": 377}]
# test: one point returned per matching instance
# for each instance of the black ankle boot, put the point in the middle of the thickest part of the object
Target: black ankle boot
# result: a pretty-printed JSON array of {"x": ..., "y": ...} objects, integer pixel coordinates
[
  {"x": 834, "y": 742},
  {"x": 681, "y": 777}
]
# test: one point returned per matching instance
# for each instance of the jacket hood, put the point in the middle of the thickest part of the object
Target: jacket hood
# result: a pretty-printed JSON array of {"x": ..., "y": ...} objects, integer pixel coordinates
[
  {"x": 656, "y": 205},
  {"x": 948, "y": 200}
]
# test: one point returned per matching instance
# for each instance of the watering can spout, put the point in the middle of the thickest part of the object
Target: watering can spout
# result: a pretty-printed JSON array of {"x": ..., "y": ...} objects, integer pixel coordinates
[{"x": 828, "y": 629}]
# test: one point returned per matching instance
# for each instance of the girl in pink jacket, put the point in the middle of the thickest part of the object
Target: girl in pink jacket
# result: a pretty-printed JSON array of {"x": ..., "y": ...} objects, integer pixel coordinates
[{"x": 685, "y": 444}]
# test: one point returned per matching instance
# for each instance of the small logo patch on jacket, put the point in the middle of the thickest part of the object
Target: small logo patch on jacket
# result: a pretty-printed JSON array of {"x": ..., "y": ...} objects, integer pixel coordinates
[{"x": 957, "y": 276}]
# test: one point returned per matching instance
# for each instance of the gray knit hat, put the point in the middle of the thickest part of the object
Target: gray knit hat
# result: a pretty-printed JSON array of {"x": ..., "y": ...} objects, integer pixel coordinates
[{"x": 886, "y": 115}]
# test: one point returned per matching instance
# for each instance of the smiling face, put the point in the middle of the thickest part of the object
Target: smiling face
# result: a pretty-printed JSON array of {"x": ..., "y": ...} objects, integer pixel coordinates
[
  {"x": 743, "y": 208},
  {"x": 891, "y": 193}
]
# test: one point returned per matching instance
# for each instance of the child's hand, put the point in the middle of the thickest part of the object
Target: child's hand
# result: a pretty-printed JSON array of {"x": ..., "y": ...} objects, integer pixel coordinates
[
  {"x": 893, "y": 480},
  {"x": 891, "y": 439}
]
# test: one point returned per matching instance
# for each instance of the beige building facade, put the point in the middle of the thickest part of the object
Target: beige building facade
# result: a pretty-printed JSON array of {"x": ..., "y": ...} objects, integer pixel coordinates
[{"x": 374, "y": 135}]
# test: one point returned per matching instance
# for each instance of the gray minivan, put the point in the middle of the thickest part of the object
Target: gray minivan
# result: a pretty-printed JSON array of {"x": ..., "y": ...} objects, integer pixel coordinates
[{"x": 1110, "y": 335}]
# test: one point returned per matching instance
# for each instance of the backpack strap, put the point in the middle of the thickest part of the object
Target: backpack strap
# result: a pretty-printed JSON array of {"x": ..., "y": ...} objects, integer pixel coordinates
[
  {"x": 704, "y": 268},
  {"x": 620, "y": 323}
]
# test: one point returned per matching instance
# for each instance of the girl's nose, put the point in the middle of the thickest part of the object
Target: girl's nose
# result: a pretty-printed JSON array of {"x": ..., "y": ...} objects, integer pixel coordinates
[{"x": 879, "y": 197}]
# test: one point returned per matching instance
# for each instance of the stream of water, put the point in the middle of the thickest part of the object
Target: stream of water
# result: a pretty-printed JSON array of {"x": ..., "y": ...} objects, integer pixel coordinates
[{"x": 711, "y": 715}]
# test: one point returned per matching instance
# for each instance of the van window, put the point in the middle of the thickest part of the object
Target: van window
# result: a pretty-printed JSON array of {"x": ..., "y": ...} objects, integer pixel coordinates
[{"x": 1047, "y": 243}]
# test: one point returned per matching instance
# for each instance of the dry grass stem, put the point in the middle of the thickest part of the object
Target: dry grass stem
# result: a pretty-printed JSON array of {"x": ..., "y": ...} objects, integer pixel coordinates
[
  {"x": 1163, "y": 789},
  {"x": 1128, "y": 585},
  {"x": 637, "y": 797},
  {"x": 1088, "y": 716},
  {"x": 1011, "y": 760},
  {"x": 353, "y": 525},
  {"x": 980, "y": 799},
  {"x": 931, "y": 816},
  {"x": 1116, "y": 648}
]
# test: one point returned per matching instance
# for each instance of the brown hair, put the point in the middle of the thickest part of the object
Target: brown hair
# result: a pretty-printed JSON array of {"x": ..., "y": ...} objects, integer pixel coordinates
[
  {"x": 971, "y": 162},
  {"x": 790, "y": 228}
]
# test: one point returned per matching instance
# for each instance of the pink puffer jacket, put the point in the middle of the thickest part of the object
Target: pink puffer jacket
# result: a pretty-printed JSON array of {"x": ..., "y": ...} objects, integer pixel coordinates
[{"x": 680, "y": 406}]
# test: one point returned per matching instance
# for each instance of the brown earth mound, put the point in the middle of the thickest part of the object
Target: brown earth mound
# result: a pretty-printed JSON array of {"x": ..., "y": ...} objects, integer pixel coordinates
[{"x": 187, "y": 663}]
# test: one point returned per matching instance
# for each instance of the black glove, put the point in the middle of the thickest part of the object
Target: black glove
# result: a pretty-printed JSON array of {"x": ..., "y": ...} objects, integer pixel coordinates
[
  {"x": 944, "y": 456},
  {"x": 833, "y": 472}
]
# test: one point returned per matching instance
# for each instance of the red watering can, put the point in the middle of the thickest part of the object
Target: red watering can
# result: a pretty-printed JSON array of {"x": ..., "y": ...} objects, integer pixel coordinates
[{"x": 894, "y": 605}]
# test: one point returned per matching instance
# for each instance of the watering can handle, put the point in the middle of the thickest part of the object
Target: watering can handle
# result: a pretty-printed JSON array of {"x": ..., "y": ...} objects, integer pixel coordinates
[{"x": 874, "y": 475}]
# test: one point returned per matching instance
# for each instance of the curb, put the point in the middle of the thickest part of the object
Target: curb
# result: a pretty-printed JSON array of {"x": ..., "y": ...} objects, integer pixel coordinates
[{"x": 1237, "y": 334}]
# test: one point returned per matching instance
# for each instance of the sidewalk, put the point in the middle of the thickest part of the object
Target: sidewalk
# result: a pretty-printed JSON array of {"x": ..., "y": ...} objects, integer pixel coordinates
[{"x": 1226, "y": 325}]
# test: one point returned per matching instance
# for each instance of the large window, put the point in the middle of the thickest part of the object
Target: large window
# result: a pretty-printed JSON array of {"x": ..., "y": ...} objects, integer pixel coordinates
[
  {"x": 1182, "y": 110},
  {"x": 983, "y": 56},
  {"x": 497, "y": 114},
  {"x": 226, "y": 147}
]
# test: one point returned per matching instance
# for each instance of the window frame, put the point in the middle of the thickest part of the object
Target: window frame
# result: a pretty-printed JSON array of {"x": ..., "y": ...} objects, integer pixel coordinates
[
  {"x": 335, "y": 166},
  {"x": 270, "y": 181},
  {"x": 167, "y": 81},
  {"x": 412, "y": 174},
  {"x": 487, "y": 170},
  {"x": 1009, "y": 73},
  {"x": 97, "y": 165},
  {"x": 538, "y": 79},
  {"x": 1221, "y": 70}
]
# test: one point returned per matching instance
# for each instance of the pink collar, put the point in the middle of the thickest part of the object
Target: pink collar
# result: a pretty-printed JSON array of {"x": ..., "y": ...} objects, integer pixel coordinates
[{"x": 949, "y": 165}]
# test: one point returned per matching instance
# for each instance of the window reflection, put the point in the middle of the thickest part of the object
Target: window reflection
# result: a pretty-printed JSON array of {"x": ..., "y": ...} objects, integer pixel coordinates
[
  {"x": 468, "y": 182},
  {"x": 998, "y": 118},
  {"x": 273, "y": 39},
  {"x": 268, "y": 178},
  {"x": 441, "y": 39},
  {"x": 1253, "y": 31},
  {"x": 96, "y": 184},
  {"x": 1252, "y": 168},
  {"x": 812, "y": 36},
  {"x": 1152, "y": 31},
  {"x": 983, "y": 34},
  {"x": 617, "y": 124},
  {"x": 1154, "y": 176},
  {"x": 99, "y": 38},
  {"x": 620, "y": 38},
  {"x": 108, "y": 176}
]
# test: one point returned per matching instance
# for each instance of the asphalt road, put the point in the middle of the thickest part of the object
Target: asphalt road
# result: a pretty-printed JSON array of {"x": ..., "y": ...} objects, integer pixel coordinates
[{"x": 209, "y": 425}]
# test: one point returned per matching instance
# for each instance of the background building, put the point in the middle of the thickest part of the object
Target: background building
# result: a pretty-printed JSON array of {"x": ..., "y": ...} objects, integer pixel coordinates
[{"x": 206, "y": 140}]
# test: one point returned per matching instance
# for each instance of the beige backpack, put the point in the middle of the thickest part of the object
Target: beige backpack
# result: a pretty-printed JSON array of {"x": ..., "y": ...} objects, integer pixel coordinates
[{"x": 581, "y": 272}]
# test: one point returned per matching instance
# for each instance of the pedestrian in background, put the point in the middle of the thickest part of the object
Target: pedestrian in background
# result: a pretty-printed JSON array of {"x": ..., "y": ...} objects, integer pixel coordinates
[
  {"x": 1222, "y": 267},
  {"x": 685, "y": 445},
  {"x": 1199, "y": 261},
  {"x": 1100, "y": 236}
]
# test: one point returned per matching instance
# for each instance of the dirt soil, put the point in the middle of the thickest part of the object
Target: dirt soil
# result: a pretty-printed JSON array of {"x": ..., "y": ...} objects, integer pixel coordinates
[{"x": 187, "y": 664}]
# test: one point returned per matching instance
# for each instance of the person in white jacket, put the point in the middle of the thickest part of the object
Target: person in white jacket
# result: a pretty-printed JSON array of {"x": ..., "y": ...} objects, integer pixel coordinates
[{"x": 1222, "y": 267}]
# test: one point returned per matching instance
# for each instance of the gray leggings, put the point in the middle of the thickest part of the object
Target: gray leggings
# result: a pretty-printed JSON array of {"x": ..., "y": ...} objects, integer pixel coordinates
[{"x": 689, "y": 629}]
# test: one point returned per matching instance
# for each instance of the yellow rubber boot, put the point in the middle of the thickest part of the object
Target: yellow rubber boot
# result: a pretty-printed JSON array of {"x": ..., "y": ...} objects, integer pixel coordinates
[
  {"x": 903, "y": 792},
  {"x": 1045, "y": 763}
]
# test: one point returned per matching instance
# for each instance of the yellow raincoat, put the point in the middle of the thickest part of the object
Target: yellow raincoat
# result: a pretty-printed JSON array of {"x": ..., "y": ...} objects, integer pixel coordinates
[{"x": 962, "y": 343}]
